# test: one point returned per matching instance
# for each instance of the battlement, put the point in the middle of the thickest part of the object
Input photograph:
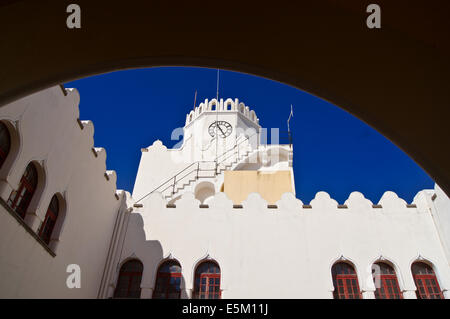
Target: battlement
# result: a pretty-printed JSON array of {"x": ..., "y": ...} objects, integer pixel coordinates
[
  {"x": 356, "y": 203},
  {"x": 228, "y": 105},
  {"x": 46, "y": 130},
  {"x": 59, "y": 143}
]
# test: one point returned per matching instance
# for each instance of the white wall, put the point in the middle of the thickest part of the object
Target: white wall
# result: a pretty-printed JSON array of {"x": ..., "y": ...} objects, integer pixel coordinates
[
  {"x": 255, "y": 246},
  {"x": 440, "y": 209},
  {"x": 46, "y": 123},
  {"x": 285, "y": 252}
]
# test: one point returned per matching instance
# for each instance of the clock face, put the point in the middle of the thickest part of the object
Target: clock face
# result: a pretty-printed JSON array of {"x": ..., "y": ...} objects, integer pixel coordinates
[{"x": 224, "y": 129}]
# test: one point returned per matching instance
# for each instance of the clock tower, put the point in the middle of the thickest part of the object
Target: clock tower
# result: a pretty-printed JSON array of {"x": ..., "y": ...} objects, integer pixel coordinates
[
  {"x": 221, "y": 151},
  {"x": 214, "y": 127}
]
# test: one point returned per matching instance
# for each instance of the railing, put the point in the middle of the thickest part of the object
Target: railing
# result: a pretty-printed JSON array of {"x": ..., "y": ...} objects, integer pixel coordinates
[
  {"x": 175, "y": 179},
  {"x": 235, "y": 148},
  {"x": 196, "y": 168}
]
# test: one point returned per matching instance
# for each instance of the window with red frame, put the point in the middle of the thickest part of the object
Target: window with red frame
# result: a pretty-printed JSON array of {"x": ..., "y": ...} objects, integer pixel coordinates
[
  {"x": 47, "y": 226},
  {"x": 207, "y": 281},
  {"x": 345, "y": 281},
  {"x": 386, "y": 283},
  {"x": 129, "y": 282},
  {"x": 168, "y": 281},
  {"x": 426, "y": 282},
  {"x": 5, "y": 143},
  {"x": 20, "y": 200}
]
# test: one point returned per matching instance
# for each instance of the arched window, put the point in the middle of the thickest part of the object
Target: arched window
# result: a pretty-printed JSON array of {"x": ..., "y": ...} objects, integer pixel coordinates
[
  {"x": 20, "y": 200},
  {"x": 207, "y": 281},
  {"x": 5, "y": 143},
  {"x": 168, "y": 281},
  {"x": 386, "y": 283},
  {"x": 47, "y": 226},
  {"x": 426, "y": 282},
  {"x": 345, "y": 281},
  {"x": 129, "y": 282}
]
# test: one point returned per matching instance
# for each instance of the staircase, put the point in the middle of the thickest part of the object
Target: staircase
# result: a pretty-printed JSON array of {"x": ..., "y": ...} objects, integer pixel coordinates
[
  {"x": 203, "y": 170},
  {"x": 204, "y": 173},
  {"x": 186, "y": 178}
]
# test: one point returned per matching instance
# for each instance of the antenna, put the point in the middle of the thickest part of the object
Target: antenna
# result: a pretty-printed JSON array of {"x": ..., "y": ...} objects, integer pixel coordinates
[
  {"x": 289, "y": 130},
  {"x": 217, "y": 115},
  {"x": 217, "y": 92},
  {"x": 290, "y": 115}
]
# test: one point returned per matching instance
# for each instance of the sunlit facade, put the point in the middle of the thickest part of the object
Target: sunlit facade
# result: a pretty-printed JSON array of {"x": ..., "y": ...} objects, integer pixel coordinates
[{"x": 214, "y": 217}]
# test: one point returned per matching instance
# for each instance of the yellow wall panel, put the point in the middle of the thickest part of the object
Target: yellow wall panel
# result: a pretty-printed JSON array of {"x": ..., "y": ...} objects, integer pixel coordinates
[{"x": 270, "y": 185}]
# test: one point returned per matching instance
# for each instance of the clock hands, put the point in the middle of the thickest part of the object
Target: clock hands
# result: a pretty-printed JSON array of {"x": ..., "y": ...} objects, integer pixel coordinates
[{"x": 218, "y": 126}]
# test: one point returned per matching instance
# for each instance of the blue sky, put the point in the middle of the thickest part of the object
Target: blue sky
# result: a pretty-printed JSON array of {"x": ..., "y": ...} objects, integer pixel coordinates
[{"x": 333, "y": 151}]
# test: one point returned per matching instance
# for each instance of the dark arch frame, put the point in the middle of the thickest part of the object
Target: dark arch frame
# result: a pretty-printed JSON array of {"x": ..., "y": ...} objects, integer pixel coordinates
[
  {"x": 5, "y": 143},
  {"x": 393, "y": 78},
  {"x": 14, "y": 150},
  {"x": 130, "y": 269},
  {"x": 47, "y": 228},
  {"x": 210, "y": 280},
  {"x": 345, "y": 280},
  {"x": 388, "y": 280},
  {"x": 168, "y": 283},
  {"x": 21, "y": 198},
  {"x": 426, "y": 281}
]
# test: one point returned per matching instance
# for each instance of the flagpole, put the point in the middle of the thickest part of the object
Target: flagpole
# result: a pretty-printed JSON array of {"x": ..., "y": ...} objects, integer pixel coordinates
[
  {"x": 289, "y": 130},
  {"x": 195, "y": 99},
  {"x": 217, "y": 116}
]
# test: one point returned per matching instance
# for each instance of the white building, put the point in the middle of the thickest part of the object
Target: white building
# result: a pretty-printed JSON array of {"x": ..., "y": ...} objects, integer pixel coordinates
[{"x": 216, "y": 217}]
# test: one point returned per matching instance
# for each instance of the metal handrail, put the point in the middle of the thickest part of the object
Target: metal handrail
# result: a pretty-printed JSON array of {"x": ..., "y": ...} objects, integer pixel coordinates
[
  {"x": 236, "y": 145},
  {"x": 176, "y": 181},
  {"x": 173, "y": 177},
  {"x": 196, "y": 169}
]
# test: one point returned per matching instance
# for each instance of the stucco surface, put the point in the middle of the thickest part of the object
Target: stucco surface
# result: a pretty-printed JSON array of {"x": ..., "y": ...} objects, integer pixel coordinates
[
  {"x": 255, "y": 246},
  {"x": 51, "y": 136}
]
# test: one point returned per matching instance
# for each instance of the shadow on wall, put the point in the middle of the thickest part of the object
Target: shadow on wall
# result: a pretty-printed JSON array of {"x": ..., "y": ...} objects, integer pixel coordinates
[
  {"x": 161, "y": 273},
  {"x": 144, "y": 254}
]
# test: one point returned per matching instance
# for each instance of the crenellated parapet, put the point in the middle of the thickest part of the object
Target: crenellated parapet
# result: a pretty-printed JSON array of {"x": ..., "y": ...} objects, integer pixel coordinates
[
  {"x": 227, "y": 105},
  {"x": 356, "y": 203},
  {"x": 256, "y": 238},
  {"x": 47, "y": 136},
  {"x": 99, "y": 153}
]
